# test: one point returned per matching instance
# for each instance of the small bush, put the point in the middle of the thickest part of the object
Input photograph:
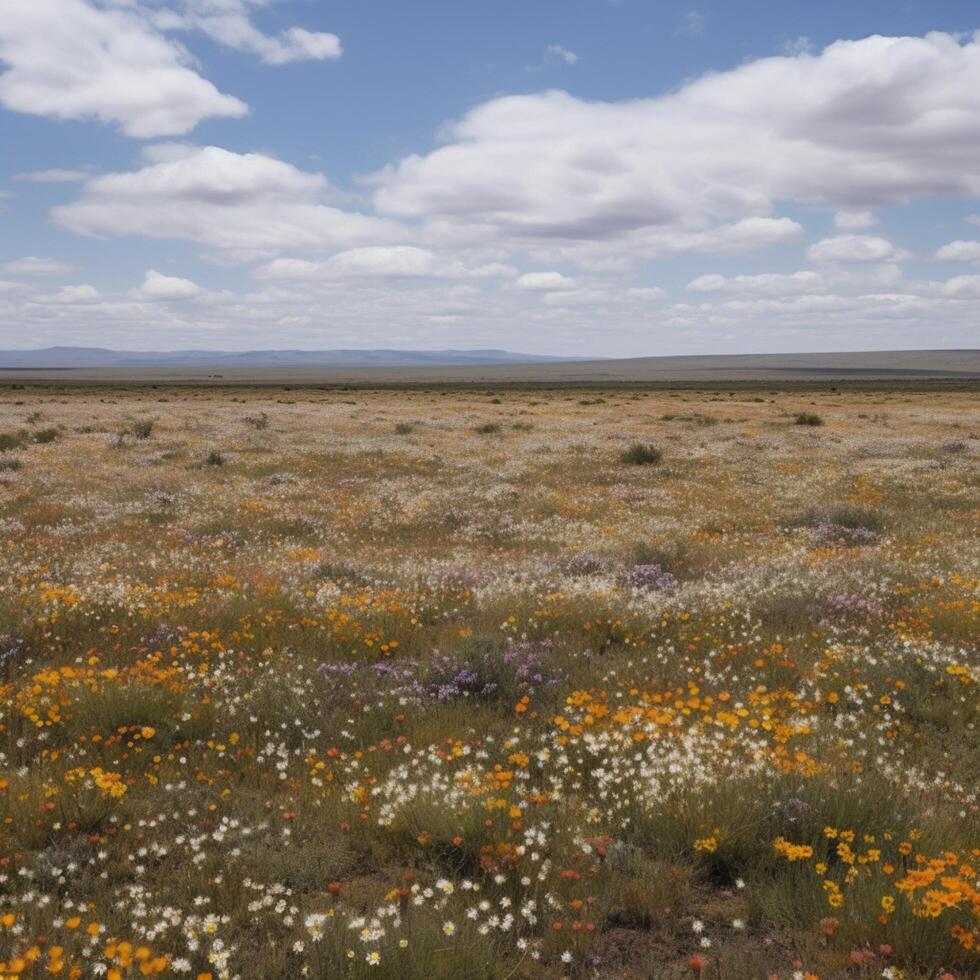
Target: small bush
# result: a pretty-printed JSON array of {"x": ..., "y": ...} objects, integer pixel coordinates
[
  {"x": 259, "y": 422},
  {"x": 11, "y": 440},
  {"x": 8, "y": 464},
  {"x": 214, "y": 458},
  {"x": 808, "y": 418},
  {"x": 46, "y": 435},
  {"x": 142, "y": 429},
  {"x": 404, "y": 429},
  {"x": 488, "y": 428},
  {"x": 640, "y": 454}
]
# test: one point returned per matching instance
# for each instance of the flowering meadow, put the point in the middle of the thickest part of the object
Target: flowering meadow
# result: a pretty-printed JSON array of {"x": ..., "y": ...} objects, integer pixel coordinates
[{"x": 490, "y": 684}]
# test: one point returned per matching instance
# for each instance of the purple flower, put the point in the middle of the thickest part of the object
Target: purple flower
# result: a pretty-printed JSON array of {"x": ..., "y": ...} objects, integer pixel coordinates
[
  {"x": 651, "y": 577},
  {"x": 829, "y": 533}
]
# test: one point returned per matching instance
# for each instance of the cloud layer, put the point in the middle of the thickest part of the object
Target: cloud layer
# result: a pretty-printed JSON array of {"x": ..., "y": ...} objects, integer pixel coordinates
[
  {"x": 540, "y": 220},
  {"x": 863, "y": 124}
]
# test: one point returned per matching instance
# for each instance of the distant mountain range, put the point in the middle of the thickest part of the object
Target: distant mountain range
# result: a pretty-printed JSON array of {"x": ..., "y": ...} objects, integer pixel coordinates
[{"x": 49, "y": 358}]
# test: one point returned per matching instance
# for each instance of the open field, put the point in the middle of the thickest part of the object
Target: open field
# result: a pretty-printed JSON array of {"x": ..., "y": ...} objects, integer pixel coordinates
[
  {"x": 475, "y": 684},
  {"x": 260, "y": 369}
]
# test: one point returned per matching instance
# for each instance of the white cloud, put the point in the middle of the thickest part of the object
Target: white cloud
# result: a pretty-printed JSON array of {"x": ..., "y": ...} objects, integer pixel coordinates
[
  {"x": 861, "y": 125},
  {"x": 855, "y": 248},
  {"x": 964, "y": 287},
  {"x": 381, "y": 262},
  {"x": 228, "y": 23},
  {"x": 770, "y": 284},
  {"x": 562, "y": 54},
  {"x": 847, "y": 308},
  {"x": 960, "y": 251},
  {"x": 33, "y": 265},
  {"x": 71, "y": 59},
  {"x": 72, "y": 295},
  {"x": 246, "y": 205},
  {"x": 157, "y": 286},
  {"x": 854, "y": 220},
  {"x": 544, "y": 280},
  {"x": 55, "y": 175}
]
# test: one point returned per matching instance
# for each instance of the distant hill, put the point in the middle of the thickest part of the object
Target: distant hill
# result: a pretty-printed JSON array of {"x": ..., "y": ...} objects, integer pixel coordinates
[
  {"x": 48, "y": 358},
  {"x": 368, "y": 367}
]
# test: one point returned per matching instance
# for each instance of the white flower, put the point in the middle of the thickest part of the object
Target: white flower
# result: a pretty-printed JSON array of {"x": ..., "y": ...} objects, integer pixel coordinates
[{"x": 449, "y": 928}]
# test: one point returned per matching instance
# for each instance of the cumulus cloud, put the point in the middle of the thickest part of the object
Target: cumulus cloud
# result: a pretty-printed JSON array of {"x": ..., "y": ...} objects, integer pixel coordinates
[
  {"x": 157, "y": 286},
  {"x": 963, "y": 287},
  {"x": 855, "y": 248},
  {"x": 246, "y": 205},
  {"x": 863, "y": 124},
  {"x": 854, "y": 220},
  {"x": 33, "y": 265},
  {"x": 229, "y": 23},
  {"x": 960, "y": 251},
  {"x": 381, "y": 262},
  {"x": 72, "y": 59},
  {"x": 80, "y": 294},
  {"x": 545, "y": 280}
]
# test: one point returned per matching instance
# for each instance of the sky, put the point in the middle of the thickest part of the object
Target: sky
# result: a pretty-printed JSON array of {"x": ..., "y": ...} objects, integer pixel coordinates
[{"x": 577, "y": 177}]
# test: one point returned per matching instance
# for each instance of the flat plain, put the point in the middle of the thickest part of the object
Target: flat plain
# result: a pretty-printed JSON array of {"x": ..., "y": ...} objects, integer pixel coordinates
[{"x": 490, "y": 682}]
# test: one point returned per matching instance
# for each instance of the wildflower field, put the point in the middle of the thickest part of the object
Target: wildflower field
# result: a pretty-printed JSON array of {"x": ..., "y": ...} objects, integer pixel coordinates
[{"x": 489, "y": 684}]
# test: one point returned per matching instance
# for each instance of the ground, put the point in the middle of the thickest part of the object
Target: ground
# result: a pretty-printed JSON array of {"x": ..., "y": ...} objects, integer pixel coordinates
[{"x": 496, "y": 683}]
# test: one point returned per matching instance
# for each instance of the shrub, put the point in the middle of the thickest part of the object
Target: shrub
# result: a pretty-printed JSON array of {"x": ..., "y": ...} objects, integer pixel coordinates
[
  {"x": 214, "y": 458},
  {"x": 142, "y": 429},
  {"x": 259, "y": 422},
  {"x": 11, "y": 440},
  {"x": 808, "y": 418},
  {"x": 404, "y": 429},
  {"x": 640, "y": 454},
  {"x": 9, "y": 463},
  {"x": 488, "y": 428},
  {"x": 46, "y": 435}
]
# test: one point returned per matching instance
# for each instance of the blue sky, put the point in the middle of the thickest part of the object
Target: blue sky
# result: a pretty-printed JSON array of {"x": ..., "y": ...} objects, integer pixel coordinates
[{"x": 582, "y": 177}]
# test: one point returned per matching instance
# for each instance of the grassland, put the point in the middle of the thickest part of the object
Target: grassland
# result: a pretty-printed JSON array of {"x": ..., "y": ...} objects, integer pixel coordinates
[{"x": 489, "y": 683}]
